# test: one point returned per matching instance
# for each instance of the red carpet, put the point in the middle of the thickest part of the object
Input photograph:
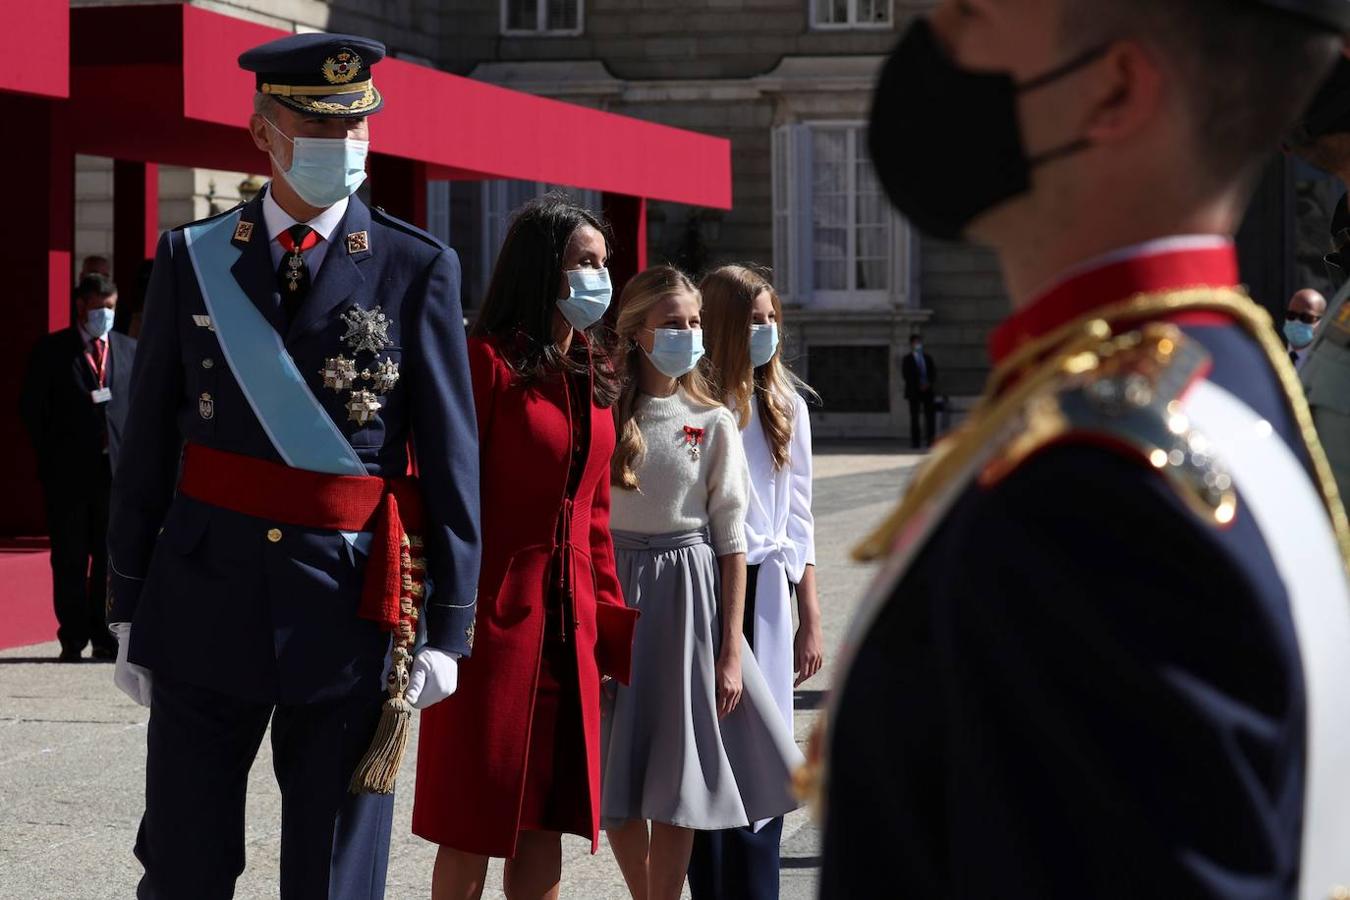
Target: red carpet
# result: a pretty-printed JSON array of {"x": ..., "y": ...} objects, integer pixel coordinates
[{"x": 25, "y": 594}]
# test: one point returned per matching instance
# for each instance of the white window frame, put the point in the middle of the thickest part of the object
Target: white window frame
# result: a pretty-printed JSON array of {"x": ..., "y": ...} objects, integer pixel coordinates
[
  {"x": 851, "y": 25},
  {"x": 541, "y": 28},
  {"x": 498, "y": 205},
  {"x": 794, "y": 235}
]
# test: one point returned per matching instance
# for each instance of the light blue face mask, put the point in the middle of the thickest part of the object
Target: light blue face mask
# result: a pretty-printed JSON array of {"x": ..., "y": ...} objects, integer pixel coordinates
[
  {"x": 1299, "y": 334},
  {"x": 675, "y": 351},
  {"x": 99, "y": 321},
  {"x": 324, "y": 170},
  {"x": 763, "y": 343},
  {"x": 591, "y": 293}
]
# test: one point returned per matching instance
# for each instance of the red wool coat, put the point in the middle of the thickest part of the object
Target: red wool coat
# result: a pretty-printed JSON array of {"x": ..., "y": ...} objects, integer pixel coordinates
[{"x": 473, "y": 747}]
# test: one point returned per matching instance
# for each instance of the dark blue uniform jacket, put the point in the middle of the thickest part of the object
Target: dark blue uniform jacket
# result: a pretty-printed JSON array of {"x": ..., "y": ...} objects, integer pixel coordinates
[{"x": 215, "y": 601}]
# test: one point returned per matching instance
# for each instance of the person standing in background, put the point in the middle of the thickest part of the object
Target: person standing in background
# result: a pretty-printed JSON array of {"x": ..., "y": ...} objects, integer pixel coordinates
[
  {"x": 1301, "y": 319},
  {"x": 920, "y": 375},
  {"x": 94, "y": 265},
  {"x": 743, "y": 318},
  {"x": 1322, "y": 138},
  {"x": 73, "y": 403},
  {"x": 512, "y": 760}
]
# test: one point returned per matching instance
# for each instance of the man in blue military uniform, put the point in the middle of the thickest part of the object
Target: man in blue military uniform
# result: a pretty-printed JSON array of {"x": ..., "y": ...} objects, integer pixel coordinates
[
  {"x": 300, "y": 355},
  {"x": 1109, "y": 653}
]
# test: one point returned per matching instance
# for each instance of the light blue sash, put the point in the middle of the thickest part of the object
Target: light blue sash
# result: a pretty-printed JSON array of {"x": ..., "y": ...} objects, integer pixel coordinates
[{"x": 299, "y": 427}]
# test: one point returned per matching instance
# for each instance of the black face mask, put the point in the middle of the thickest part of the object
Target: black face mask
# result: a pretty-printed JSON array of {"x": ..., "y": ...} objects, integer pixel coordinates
[{"x": 945, "y": 141}]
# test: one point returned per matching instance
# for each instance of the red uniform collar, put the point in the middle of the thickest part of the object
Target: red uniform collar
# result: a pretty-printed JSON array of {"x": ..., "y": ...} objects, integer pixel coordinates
[{"x": 1169, "y": 264}]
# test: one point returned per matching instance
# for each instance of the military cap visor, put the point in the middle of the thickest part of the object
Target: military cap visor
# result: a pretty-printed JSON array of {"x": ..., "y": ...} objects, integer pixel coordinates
[
  {"x": 319, "y": 74},
  {"x": 1333, "y": 14}
]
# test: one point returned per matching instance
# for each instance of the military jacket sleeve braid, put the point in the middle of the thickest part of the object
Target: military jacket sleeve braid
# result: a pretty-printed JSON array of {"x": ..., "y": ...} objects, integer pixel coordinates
[
  {"x": 1122, "y": 673},
  {"x": 445, "y": 439},
  {"x": 151, "y": 443}
]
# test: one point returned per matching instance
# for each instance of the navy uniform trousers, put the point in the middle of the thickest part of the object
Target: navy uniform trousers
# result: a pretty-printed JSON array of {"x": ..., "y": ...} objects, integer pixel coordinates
[
  {"x": 738, "y": 863},
  {"x": 333, "y": 843}
]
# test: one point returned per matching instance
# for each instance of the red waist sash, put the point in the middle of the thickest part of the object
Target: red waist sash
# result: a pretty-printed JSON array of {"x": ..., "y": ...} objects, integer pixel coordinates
[{"x": 391, "y": 508}]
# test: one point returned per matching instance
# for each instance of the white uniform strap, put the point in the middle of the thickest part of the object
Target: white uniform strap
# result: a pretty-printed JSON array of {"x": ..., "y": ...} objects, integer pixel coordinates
[{"x": 1276, "y": 490}]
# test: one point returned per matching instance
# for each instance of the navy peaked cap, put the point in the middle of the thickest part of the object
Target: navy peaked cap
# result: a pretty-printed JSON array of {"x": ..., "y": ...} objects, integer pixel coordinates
[{"x": 318, "y": 74}]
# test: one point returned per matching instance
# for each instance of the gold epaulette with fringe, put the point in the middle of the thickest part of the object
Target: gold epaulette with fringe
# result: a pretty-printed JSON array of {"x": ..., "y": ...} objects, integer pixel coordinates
[{"x": 1115, "y": 375}]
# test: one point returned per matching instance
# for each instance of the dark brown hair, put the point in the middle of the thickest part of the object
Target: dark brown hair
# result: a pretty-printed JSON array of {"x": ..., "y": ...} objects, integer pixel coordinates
[{"x": 522, "y": 296}]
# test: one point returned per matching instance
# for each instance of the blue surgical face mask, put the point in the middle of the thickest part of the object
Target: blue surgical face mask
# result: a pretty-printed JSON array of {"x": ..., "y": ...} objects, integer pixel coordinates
[
  {"x": 99, "y": 321},
  {"x": 675, "y": 351},
  {"x": 763, "y": 343},
  {"x": 589, "y": 298},
  {"x": 1299, "y": 334},
  {"x": 324, "y": 170}
]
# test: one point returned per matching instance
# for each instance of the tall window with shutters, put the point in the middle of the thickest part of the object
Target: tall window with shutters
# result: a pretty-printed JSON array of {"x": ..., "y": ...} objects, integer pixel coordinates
[
  {"x": 839, "y": 14},
  {"x": 523, "y": 18},
  {"x": 837, "y": 243},
  {"x": 501, "y": 200}
]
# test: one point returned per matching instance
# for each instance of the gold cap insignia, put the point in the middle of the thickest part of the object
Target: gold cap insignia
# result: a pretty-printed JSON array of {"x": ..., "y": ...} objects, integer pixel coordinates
[
  {"x": 243, "y": 232},
  {"x": 341, "y": 68},
  {"x": 358, "y": 242}
]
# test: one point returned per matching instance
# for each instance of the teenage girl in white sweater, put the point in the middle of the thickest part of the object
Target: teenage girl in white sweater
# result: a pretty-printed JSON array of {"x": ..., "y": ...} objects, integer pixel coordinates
[{"x": 695, "y": 740}]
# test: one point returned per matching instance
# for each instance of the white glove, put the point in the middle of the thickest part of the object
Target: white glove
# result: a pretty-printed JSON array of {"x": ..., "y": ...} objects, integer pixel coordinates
[
  {"x": 435, "y": 675},
  {"x": 131, "y": 679}
]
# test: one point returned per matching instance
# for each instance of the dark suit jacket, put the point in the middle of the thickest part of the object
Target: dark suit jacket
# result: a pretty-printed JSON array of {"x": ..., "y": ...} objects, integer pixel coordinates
[
  {"x": 909, "y": 370},
  {"x": 276, "y": 620},
  {"x": 63, "y": 422}
]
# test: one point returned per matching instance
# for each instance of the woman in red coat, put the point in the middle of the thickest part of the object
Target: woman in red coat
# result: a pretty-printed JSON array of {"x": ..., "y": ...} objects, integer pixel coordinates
[{"x": 511, "y": 760}]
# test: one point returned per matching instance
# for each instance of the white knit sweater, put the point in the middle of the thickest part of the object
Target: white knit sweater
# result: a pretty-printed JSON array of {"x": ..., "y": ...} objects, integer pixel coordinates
[{"x": 680, "y": 490}]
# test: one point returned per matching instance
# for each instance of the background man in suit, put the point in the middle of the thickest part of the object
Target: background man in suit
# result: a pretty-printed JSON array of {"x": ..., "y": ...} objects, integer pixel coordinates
[
  {"x": 920, "y": 374},
  {"x": 73, "y": 403},
  {"x": 1301, "y": 319}
]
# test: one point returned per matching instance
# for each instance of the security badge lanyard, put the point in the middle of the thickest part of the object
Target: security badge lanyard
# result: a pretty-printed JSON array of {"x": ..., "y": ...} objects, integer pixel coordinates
[{"x": 99, "y": 367}]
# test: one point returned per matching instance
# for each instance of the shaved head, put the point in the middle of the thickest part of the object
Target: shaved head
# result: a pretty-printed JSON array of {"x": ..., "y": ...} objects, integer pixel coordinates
[{"x": 1308, "y": 301}]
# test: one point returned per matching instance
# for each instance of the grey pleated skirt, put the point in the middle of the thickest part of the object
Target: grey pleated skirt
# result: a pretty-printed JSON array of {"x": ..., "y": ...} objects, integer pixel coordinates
[{"x": 665, "y": 756}]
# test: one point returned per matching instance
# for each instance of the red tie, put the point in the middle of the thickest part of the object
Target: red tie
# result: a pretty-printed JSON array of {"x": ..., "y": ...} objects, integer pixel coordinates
[{"x": 98, "y": 358}]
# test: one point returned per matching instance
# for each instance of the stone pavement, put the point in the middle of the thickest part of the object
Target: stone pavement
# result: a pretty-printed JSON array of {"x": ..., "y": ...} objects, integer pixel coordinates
[{"x": 72, "y": 750}]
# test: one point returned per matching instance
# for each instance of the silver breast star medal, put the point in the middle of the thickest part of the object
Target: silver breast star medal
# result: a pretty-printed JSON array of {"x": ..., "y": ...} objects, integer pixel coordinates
[
  {"x": 384, "y": 377},
  {"x": 367, "y": 330},
  {"x": 362, "y": 407},
  {"x": 339, "y": 373}
]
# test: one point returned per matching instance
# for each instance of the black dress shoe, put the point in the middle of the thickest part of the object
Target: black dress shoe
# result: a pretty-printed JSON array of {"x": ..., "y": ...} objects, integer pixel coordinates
[
  {"x": 104, "y": 654},
  {"x": 70, "y": 656}
]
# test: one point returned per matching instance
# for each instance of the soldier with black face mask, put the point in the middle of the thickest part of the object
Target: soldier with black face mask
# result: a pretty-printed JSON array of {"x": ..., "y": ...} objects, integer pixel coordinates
[{"x": 1106, "y": 656}]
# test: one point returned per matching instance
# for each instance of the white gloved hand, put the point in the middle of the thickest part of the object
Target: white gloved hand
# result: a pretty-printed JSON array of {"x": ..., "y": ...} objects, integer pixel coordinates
[
  {"x": 131, "y": 679},
  {"x": 435, "y": 675}
]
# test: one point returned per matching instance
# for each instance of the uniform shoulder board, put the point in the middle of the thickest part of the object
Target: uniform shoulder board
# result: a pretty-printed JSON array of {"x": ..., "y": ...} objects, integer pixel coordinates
[
  {"x": 378, "y": 214},
  {"x": 1125, "y": 394}
]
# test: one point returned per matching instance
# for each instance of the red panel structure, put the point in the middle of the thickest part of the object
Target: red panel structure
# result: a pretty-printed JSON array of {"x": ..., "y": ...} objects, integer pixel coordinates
[
  {"x": 159, "y": 84},
  {"x": 37, "y": 49}
]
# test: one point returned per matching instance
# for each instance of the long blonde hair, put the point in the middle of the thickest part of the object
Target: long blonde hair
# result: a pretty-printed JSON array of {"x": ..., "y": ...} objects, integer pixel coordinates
[
  {"x": 644, "y": 291},
  {"x": 728, "y": 302}
]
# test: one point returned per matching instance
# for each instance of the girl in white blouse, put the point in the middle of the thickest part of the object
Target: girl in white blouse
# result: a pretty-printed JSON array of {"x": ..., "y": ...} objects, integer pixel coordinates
[{"x": 742, "y": 317}]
